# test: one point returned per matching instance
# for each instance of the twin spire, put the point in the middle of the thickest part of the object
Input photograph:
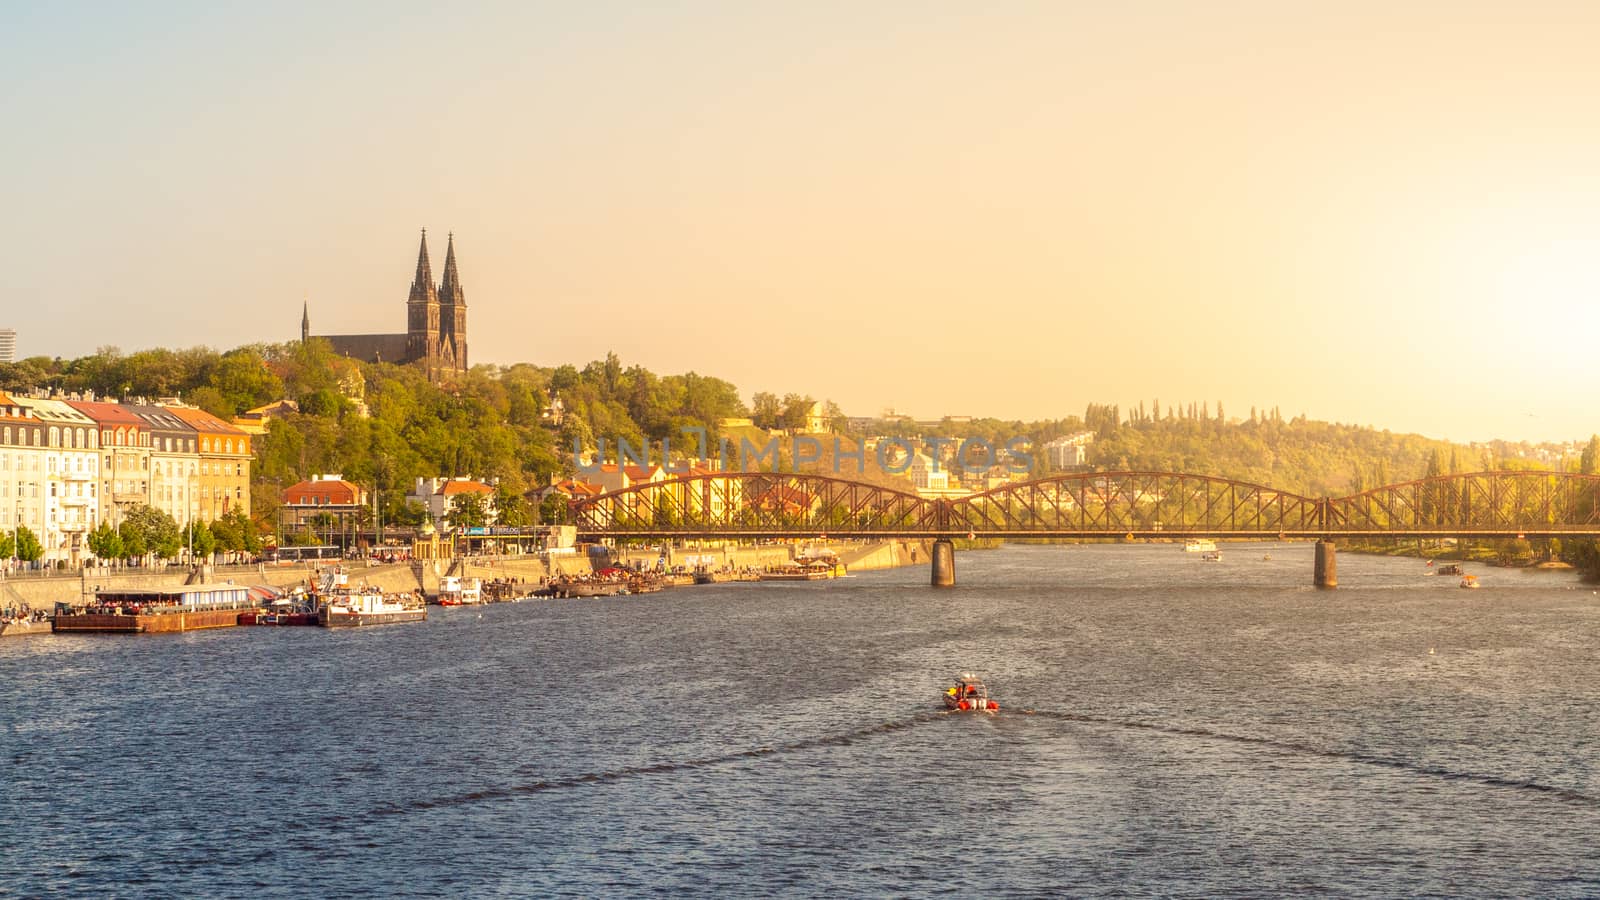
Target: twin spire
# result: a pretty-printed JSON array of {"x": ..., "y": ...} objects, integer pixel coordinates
[{"x": 449, "y": 291}]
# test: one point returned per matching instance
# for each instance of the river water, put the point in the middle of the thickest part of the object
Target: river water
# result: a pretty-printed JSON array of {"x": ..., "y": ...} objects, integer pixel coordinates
[{"x": 1170, "y": 728}]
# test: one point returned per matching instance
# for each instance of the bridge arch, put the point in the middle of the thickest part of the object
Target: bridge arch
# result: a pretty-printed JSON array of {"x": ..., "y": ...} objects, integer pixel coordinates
[
  {"x": 1113, "y": 504},
  {"x": 731, "y": 504}
]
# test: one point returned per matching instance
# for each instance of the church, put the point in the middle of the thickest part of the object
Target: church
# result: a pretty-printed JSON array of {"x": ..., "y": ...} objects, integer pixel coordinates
[{"x": 436, "y": 323}]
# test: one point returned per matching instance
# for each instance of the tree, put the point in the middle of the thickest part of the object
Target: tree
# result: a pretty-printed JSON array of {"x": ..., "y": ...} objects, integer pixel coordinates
[
  {"x": 509, "y": 507},
  {"x": 28, "y": 548},
  {"x": 153, "y": 531},
  {"x": 1589, "y": 462},
  {"x": 198, "y": 538},
  {"x": 468, "y": 511},
  {"x": 553, "y": 509},
  {"x": 6, "y": 545},
  {"x": 765, "y": 409},
  {"x": 105, "y": 542}
]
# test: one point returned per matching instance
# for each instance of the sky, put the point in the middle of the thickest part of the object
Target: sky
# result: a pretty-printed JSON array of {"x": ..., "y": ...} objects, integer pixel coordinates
[{"x": 1372, "y": 213}]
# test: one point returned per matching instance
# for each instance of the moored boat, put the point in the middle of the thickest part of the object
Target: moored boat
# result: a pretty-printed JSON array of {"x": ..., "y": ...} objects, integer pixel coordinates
[
  {"x": 187, "y": 608},
  {"x": 457, "y": 591},
  {"x": 1199, "y": 545},
  {"x": 969, "y": 694},
  {"x": 368, "y": 606}
]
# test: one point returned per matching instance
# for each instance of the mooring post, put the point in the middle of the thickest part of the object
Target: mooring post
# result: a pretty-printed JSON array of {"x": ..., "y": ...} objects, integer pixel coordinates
[
  {"x": 944, "y": 563},
  {"x": 1325, "y": 571}
]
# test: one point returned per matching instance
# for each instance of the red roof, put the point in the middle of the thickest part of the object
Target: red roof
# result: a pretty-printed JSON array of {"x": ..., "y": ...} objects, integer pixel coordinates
[
  {"x": 107, "y": 413},
  {"x": 453, "y": 487},
  {"x": 310, "y": 493}
]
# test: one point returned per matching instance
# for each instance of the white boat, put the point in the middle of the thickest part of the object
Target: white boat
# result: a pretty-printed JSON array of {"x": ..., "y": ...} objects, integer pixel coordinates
[
  {"x": 1199, "y": 545},
  {"x": 457, "y": 591},
  {"x": 1211, "y": 556},
  {"x": 367, "y": 606}
]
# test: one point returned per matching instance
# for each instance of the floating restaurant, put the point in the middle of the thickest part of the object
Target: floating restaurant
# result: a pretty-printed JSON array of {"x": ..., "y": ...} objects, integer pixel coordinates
[{"x": 185, "y": 608}]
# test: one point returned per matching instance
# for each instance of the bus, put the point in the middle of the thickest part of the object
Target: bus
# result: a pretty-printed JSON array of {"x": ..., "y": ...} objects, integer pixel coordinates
[{"x": 301, "y": 554}]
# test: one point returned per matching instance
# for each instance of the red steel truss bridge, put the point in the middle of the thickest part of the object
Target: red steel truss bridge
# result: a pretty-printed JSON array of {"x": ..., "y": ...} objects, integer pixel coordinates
[{"x": 1504, "y": 504}]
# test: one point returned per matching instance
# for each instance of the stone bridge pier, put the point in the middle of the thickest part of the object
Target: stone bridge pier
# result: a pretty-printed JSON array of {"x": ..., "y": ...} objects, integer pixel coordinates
[
  {"x": 1325, "y": 569},
  {"x": 944, "y": 563}
]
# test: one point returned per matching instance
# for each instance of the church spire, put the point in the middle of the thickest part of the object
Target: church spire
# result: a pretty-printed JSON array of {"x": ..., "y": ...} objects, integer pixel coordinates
[
  {"x": 424, "y": 276},
  {"x": 305, "y": 322},
  {"x": 450, "y": 289}
]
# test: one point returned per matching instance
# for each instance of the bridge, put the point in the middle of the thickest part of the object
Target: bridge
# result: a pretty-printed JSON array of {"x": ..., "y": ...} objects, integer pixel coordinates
[{"x": 755, "y": 505}]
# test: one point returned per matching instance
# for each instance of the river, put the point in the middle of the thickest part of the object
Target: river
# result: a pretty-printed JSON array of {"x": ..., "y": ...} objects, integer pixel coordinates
[{"x": 1169, "y": 728}]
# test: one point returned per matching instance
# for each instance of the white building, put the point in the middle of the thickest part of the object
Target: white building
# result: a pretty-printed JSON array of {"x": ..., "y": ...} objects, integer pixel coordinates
[
  {"x": 1070, "y": 452},
  {"x": 8, "y": 345},
  {"x": 63, "y": 477},
  {"x": 438, "y": 494}
]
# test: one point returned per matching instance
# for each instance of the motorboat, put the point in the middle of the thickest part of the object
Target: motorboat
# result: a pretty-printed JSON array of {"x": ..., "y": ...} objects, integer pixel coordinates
[
  {"x": 1447, "y": 569},
  {"x": 969, "y": 694},
  {"x": 1211, "y": 556},
  {"x": 1470, "y": 582}
]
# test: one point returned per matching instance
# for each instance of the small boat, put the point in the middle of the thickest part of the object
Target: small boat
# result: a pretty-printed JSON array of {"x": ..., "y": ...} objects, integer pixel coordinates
[
  {"x": 1199, "y": 545},
  {"x": 457, "y": 591},
  {"x": 1447, "y": 569},
  {"x": 969, "y": 694},
  {"x": 1470, "y": 582},
  {"x": 1211, "y": 556}
]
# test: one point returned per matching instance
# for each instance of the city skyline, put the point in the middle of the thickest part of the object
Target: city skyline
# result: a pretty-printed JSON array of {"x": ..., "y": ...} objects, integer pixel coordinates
[{"x": 1365, "y": 215}]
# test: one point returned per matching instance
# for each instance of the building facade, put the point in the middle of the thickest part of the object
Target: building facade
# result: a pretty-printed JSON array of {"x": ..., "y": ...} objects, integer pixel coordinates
[
  {"x": 124, "y": 458},
  {"x": 224, "y": 463},
  {"x": 8, "y": 345},
  {"x": 68, "y": 480},
  {"x": 436, "y": 323},
  {"x": 174, "y": 463}
]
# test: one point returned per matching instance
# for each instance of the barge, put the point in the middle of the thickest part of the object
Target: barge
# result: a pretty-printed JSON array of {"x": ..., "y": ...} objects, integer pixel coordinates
[{"x": 188, "y": 608}]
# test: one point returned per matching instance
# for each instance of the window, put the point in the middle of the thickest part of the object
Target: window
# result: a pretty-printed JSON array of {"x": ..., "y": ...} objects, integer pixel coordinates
[{"x": 55, "y": 436}]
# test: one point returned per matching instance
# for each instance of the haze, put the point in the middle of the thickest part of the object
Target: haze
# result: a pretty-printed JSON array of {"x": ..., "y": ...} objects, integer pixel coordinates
[{"x": 1366, "y": 214}]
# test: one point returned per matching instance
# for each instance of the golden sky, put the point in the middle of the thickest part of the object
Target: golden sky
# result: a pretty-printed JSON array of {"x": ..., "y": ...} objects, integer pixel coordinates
[{"x": 1359, "y": 212}]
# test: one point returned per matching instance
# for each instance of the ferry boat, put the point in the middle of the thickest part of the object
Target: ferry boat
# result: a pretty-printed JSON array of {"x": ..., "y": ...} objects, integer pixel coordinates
[
  {"x": 457, "y": 591},
  {"x": 1199, "y": 545},
  {"x": 367, "y": 606},
  {"x": 186, "y": 608},
  {"x": 969, "y": 694},
  {"x": 811, "y": 571}
]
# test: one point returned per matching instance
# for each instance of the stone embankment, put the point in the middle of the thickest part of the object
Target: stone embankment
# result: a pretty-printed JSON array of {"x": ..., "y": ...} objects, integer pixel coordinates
[{"x": 45, "y": 592}]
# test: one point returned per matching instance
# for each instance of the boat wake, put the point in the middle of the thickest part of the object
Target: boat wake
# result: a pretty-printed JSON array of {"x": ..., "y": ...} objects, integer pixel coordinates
[
  {"x": 628, "y": 772},
  {"x": 1369, "y": 759}
]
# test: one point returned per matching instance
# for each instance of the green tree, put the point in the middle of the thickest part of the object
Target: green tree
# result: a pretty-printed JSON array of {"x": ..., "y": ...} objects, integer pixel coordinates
[
  {"x": 510, "y": 508},
  {"x": 28, "y": 548},
  {"x": 105, "y": 542},
  {"x": 198, "y": 538},
  {"x": 156, "y": 533},
  {"x": 468, "y": 511},
  {"x": 553, "y": 509},
  {"x": 6, "y": 545}
]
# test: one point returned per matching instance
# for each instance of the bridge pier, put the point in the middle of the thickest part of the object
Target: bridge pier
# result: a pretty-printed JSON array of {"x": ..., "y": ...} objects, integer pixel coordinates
[
  {"x": 1325, "y": 570},
  {"x": 944, "y": 563}
]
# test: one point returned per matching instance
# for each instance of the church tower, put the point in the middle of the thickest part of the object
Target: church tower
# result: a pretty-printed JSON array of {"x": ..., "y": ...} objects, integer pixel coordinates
[
  {"x": 422, "y": 311},
  {"x": 305, "y": 322},
  {"x": 452, "y": 314}
]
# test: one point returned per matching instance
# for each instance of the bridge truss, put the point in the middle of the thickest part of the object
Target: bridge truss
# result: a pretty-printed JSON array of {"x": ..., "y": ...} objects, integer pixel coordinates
[{"x": 1092, "y": 505}]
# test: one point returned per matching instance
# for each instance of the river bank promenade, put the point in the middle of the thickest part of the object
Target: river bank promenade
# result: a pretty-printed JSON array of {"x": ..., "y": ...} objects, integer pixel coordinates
[{"x": 43, "y": 592}]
